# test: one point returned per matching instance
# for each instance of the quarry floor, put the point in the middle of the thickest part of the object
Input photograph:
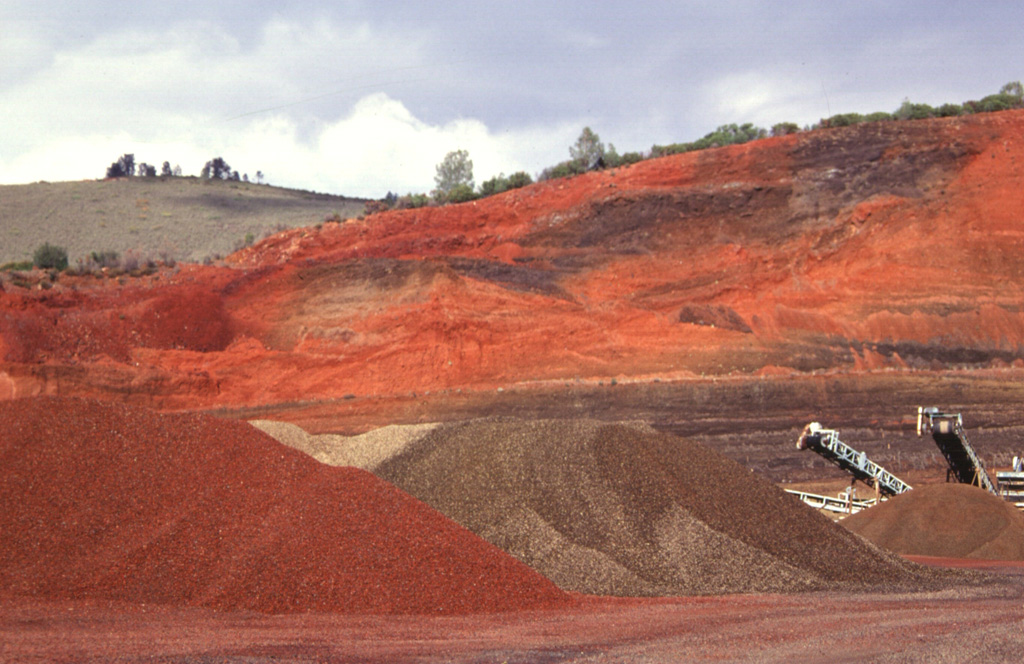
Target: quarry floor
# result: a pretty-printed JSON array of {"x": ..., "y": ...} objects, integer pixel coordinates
[{"x": 982, "y": 622}]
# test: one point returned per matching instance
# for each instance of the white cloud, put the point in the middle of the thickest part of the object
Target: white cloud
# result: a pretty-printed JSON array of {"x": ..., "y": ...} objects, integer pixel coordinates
[
  {"x": 193, "y": 91},
  {"x": 763, "y": 99},
  {"x": 381, "y": 146}
]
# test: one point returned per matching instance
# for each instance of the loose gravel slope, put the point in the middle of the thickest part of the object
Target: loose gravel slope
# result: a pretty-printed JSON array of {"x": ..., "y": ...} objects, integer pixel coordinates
[
  {"x": 621, "y": 509},
  {"x": 111, "y": 501}
]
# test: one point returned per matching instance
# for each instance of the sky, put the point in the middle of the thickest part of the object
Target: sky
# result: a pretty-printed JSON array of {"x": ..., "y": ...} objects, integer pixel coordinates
[{"x": 363, "y": 98}]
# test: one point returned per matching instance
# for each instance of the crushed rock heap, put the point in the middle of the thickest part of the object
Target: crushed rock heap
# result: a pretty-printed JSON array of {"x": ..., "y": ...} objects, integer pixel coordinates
[
  {"x": 621, "y": 509},
  {"x": 946, "y": 521},
  {"x": 117, "y": 502}
]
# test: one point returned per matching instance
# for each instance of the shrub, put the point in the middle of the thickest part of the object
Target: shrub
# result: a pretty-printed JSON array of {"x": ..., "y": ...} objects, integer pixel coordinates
[
  {"x": 672, "y": 148},
  {"x": 949, "y": 110},
  {"x": 785, "y": 128},
  {"x": 843, "y": 120},
  {"x": 106, "y": 258},
  {"x": 627, "y": 158},
  {"x": 495, "y": 185},
  {"x": 50, "y": 257},
  {"x": 878, "y": 116},
  {"x": 501, "y": 183},
  {"x": 909, "y": 111},
  {"x": 374, "y": 207},
  {"x": 519, "y": 179},
  {"x": 562, "y": 170},
  {"x": 460, "y": 193},
  {"x": 411, "y": 201},
  {"x": 16, "y": 266}
]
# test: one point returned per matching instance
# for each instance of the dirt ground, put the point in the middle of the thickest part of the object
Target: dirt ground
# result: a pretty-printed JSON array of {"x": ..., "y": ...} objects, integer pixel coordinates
[{"x": 980, "y": 623}]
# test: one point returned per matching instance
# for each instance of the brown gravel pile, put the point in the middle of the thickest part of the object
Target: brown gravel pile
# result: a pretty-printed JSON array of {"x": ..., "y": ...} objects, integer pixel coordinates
[
  {"x": 944, "y": 520},
  {"x": 366, "y": 451},
  {"x": 621, "y": 509}
]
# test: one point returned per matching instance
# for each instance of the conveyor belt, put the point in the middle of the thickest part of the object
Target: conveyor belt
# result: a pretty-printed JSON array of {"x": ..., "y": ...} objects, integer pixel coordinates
[
  {"x": 826, "y": 443},
  {"x": 841, "y": 504},
  {"x": 947, "y": 430},
  {"x": 1011, "y": 487}
]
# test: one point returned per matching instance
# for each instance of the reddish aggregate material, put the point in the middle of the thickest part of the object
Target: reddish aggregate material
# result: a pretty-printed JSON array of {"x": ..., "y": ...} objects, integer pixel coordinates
[
  {"x": 944, "y": 521},
  {"x": 116, "y": 502}
]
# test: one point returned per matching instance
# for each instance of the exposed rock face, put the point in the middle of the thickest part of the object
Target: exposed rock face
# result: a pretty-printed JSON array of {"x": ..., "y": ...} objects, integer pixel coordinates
[{"x": 867, "y": 248}]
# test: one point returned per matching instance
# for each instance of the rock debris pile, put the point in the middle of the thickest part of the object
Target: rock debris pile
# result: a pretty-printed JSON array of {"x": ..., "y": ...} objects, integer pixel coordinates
[
  {"x": 621, "y": 509},
  {"x": 117, "y": 502},
  {"x": 944, "y": 520}
]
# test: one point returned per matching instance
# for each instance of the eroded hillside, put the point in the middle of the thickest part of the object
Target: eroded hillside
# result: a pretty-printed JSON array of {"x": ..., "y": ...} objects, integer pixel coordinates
[{"x": 873, "y": 247}]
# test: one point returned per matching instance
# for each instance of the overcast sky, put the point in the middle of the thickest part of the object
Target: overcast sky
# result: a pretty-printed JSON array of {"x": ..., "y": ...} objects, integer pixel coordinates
[{"x": 362, "y": 98}]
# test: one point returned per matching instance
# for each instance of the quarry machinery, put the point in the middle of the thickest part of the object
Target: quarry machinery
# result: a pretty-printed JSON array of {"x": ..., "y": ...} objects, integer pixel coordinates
[
  {"x": 947, "y": 430},
  {"x": 1011, "y": 483},
  {"x": 826, "y": 443}
]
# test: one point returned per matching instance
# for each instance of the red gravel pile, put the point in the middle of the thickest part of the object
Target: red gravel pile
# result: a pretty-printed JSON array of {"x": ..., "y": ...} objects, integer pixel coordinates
[
  {"x": 621, "y": 509},
  {"x": 944, "y": 520},
  {"x": 109, "y": 501}
]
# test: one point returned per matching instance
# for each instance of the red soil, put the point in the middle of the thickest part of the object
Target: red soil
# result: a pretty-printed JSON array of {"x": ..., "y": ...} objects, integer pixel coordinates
[
  {"x": 981, "y": 624},
  {"x": 115, "y": 502},
  {"x": 755, "y": 259}
]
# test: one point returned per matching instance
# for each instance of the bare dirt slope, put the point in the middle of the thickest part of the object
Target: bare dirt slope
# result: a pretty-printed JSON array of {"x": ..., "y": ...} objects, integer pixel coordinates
[
  {"x": 839, "y": 275},
  {"x": 186, "y": 219}
]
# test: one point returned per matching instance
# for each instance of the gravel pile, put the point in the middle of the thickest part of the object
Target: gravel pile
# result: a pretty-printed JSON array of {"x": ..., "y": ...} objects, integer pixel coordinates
[
  {"x": 944, "y": 520},
  {"x": 109, "y": 501},
  {"x": 366, "y": 451},
  {"x": 621, "y": 509}
]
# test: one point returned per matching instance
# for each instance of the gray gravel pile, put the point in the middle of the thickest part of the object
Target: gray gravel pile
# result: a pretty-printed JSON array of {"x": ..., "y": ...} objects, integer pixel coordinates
[
  {"x": 366, "y": 451},
  {"x": 621, "y": 509}
]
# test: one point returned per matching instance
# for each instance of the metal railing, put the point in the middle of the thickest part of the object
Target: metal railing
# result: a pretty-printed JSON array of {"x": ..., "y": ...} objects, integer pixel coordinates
[
  {"x": 841, "y": 504},
  {"x": 826, "y": 443}
]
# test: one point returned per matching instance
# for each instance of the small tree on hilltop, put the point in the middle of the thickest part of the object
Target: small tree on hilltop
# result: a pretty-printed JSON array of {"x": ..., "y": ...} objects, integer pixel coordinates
[
  {"x": 216, "y": 169},
  {"x": 1013, "y": 89},
  {"x": 454, "y": 175},
  {"x": 588, "y": 151},
  {"x": 124, "y": 167}
]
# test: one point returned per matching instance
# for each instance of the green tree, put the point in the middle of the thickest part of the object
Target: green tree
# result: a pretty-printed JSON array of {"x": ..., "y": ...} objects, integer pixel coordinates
[
  {"x": 588, "y": 151},
  {"x": 785, "y": 128},
  {"x": 1013, "y": 89},
  {"x": 124, "y": 167},
  {"x": 455, "y": 172},
  {"x": 216, "y": 169}
]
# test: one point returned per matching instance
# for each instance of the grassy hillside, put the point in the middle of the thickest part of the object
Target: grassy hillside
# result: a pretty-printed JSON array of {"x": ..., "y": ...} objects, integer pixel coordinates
[{"x": 184, "y": 218}]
